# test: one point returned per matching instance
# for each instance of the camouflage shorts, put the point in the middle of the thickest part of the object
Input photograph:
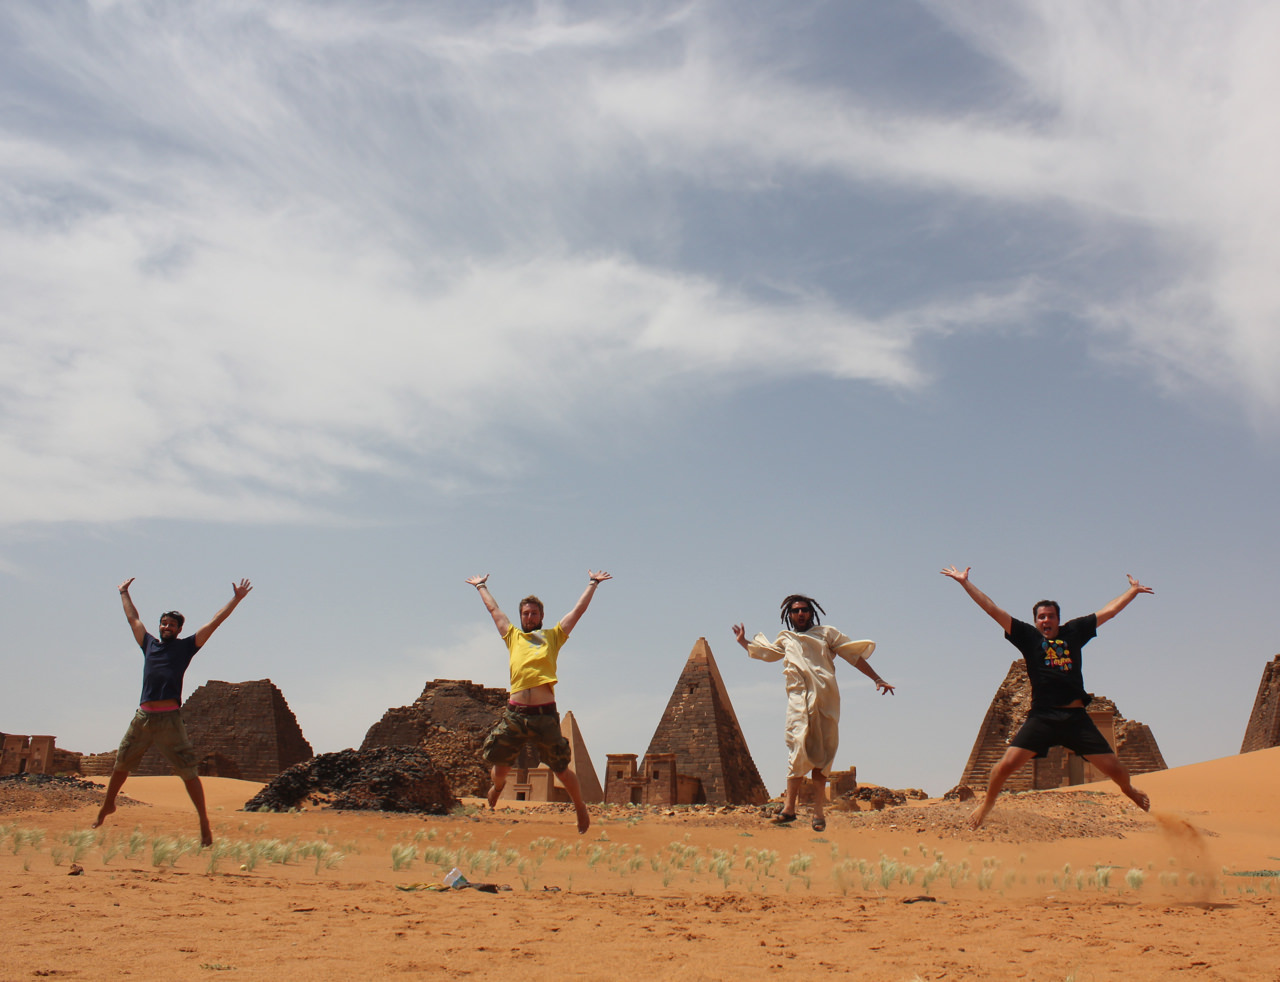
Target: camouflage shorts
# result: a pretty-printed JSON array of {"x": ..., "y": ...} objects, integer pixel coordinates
[
  {"x": 514, "y": 730},
  {"x": 165, "y": 732}
]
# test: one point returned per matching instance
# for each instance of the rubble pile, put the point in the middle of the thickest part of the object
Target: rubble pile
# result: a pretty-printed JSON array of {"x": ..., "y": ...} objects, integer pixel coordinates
[
  {"x": 391, "y": 779},
  {"x": 49, "y": 792}
]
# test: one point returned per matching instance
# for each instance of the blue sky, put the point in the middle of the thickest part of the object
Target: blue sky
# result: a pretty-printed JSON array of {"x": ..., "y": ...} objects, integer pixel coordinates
[{"x": 732, "y": 300}]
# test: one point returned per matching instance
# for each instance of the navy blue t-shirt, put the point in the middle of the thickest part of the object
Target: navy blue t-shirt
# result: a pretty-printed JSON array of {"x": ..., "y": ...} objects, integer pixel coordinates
[
  {"x": 164, "y": 663},
  {"x": 1054, "y": 666}
]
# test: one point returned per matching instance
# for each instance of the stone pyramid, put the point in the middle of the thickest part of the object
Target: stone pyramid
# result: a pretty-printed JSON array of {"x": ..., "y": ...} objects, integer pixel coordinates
[
  {"x": 700, "y": 727},
  {"x": 1263, "y": 730},
  {"x": 588, "y": 779},
  {"x": 1134, "y": 743},
  {"x": 244, "y": 730}
]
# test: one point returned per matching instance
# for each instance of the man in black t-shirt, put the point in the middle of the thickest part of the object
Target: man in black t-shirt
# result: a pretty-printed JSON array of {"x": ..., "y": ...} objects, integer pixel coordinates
[
  {"x": 158, "y": 721},
  {"x": 1051, "y": 651}
]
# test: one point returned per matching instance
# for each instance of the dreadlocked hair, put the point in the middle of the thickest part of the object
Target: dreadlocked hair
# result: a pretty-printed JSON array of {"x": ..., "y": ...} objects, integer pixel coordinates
[{"x": 786, "y": 608}]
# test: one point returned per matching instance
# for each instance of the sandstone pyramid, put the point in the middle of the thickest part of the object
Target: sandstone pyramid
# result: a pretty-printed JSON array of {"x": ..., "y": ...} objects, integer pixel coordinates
[
  {"x": 1264, "y": 722},
  {"x": 1134, "y": 743},
  {"x": 244, "y": 730},
  {"x": 700, "y": 727}
]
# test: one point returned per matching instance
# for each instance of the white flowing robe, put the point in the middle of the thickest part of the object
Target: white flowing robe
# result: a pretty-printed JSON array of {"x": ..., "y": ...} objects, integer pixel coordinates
[{"x": 813, "y": 698}]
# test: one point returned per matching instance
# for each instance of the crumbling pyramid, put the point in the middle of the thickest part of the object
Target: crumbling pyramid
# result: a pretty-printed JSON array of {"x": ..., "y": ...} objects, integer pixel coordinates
[
  {"x": 449, "y": 720},
  {"x": 244, "y": 730},
  {"x": 1134, "y": 743},
  {"x": 1263, "y": 730},
  {"x": 700, "y": 727}
]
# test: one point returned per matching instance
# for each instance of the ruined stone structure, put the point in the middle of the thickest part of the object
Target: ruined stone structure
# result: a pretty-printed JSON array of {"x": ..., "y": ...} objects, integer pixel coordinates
[
  {"x": 394, "y": 779},
  {"x": 654, "y": 782},
  {"x": 243, "y": 730},
  {"x": 21, "y": 754},
  {"x": 1133, "y": 742},
  {"x": 1263, "y": 730},
  {"x": 540, "y": 784},
  {"x": 450, "y": 720},
  {"x": 97, "y": 765},
  {"x": 697, "y": 739}
]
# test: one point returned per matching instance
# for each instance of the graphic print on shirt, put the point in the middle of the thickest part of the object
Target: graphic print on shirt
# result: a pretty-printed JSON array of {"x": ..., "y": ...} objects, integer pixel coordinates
[
  {"x": 1056, "y": 654},
  {"x": 536, "y": 639}
]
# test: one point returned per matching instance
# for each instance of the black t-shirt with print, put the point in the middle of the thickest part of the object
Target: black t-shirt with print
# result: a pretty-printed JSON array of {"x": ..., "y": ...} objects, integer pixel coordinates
[{"x": 1054, "y": 666}]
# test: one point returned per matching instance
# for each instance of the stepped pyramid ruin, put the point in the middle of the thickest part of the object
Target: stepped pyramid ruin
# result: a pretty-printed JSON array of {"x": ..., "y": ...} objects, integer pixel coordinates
[
  {"x": 1133, "y": 742},
  {"x": 1263, "y": 730},
  {"x": 697, "y": 754},
  {"x": 450, "y": 720},
  {"x": 244, "y": 730}
]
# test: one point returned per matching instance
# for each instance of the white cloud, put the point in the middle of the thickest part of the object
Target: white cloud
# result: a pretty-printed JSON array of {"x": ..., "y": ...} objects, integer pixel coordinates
[{"x": 249, "y": 252}]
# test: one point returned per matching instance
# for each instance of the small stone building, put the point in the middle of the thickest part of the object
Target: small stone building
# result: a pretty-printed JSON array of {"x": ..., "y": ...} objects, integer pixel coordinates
[
  {"x": 1133, "y": 742},
  {"x": 21, "y": 754}
]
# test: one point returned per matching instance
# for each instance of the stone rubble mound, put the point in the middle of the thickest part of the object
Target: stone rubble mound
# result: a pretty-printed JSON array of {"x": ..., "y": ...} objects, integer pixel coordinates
[{"x": 390, "y": 779}]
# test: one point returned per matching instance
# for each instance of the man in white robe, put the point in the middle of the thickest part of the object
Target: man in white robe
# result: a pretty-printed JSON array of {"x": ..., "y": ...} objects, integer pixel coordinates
[{"x": 808, "y": 652}]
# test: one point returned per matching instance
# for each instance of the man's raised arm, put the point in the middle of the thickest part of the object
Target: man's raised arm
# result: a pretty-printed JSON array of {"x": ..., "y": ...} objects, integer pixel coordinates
[
  {"x": 239, "y": 592},
  {"x": 500, "y": 620},
  {"x": 570, "y": 620},
  {"x": 1122, "y": 601},
  {"x": 980, "y": 598},
  {"x": 131, "y": 612}
]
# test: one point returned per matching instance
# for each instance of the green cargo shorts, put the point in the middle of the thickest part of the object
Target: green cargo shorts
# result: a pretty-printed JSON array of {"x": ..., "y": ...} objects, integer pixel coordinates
[
  {"x": 514, "y": 730},
  {"x": 164, "y": 731}
]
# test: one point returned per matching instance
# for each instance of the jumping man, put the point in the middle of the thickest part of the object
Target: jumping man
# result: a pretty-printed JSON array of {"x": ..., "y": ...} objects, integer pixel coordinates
[
  {"x": 531, "y": 716},
  {"x": 158, "y": 721},
  {"x": 1051, "y": 651},
  {"x": 808, "y": 652}
]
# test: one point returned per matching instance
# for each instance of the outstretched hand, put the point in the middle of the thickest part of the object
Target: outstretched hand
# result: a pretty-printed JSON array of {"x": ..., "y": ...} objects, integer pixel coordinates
[
  {"x": 740, "y": 633},
  {"x": 599, "y": 577},
  {"x": 1135, "y": 585},
  {"x": 241, "y": 590},
  {"x": 956, "y": 575},
  {"x": 124, "y": 587},
  {"x": 884, "y": 688},
  {"x": 478, "y": 581}
]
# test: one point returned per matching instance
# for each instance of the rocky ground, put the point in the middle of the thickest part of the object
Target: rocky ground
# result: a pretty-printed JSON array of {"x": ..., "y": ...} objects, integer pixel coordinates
[{"x": 49, "y": 793}]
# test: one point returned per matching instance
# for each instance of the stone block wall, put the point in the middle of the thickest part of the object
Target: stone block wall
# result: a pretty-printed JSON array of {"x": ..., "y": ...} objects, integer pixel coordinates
[{"x": 239, "y": 726}]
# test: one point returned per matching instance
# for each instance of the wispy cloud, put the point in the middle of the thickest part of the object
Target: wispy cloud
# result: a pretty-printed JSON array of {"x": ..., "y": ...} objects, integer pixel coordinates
[{"x": 251, "y": 251}]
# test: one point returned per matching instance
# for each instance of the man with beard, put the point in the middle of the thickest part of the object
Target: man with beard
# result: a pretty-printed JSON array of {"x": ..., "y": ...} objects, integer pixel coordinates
[{"x": 158, "y": 721}]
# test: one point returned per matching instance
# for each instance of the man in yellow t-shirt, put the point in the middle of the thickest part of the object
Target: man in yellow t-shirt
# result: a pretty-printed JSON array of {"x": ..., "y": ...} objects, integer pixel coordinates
[{"x": 531, "y": 716}]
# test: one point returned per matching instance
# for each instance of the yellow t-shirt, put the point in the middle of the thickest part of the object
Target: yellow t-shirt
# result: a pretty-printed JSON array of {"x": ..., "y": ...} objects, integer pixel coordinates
[{"x": 533, "y": 655}]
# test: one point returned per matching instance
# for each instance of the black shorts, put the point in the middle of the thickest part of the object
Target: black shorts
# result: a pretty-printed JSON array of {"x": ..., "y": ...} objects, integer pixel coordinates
[{"x": 1070, "y": 728}]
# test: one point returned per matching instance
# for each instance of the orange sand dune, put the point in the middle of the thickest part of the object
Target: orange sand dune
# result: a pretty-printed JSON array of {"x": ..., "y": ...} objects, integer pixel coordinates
[{"x": 694, "y": 895}]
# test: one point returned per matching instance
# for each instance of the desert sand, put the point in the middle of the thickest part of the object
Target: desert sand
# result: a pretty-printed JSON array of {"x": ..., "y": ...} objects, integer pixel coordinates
[{"x": 1072, "y": 884}]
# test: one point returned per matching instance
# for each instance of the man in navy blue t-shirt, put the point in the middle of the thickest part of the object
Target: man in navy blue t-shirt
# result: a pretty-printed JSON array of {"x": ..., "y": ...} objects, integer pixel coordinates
[
  {"x": 1051, "y": 651},
  {"x": 158, "y": 721}
]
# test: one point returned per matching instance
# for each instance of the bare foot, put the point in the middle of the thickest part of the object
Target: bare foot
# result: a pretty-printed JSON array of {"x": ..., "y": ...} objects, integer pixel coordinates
[
  {"x": 106, "y": 809},
  {"x": 979, "y": 815},
  {"x": 1139, "y": 798},
  {"x": 584, "y": 818},
  {"x": 494, "y": 792}
]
